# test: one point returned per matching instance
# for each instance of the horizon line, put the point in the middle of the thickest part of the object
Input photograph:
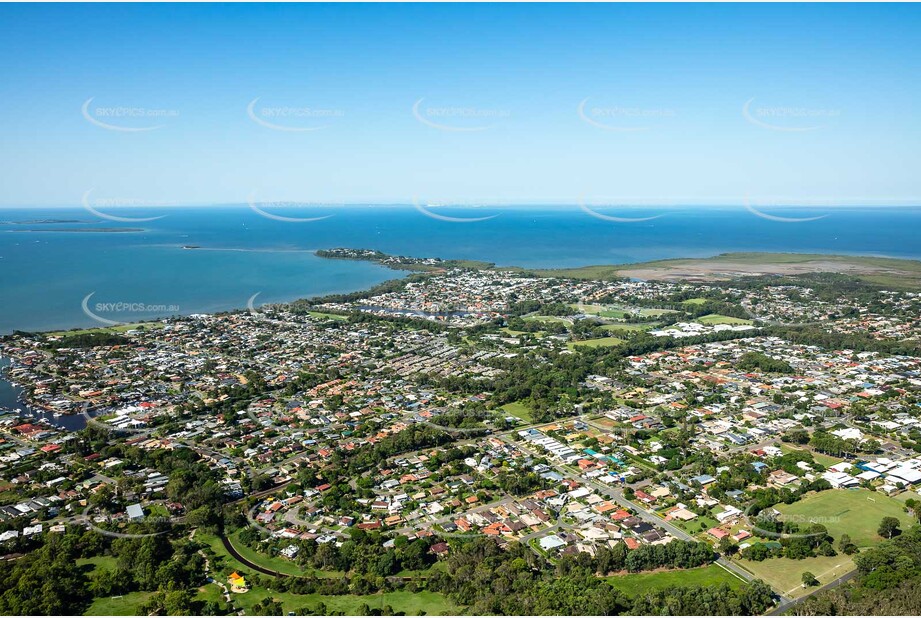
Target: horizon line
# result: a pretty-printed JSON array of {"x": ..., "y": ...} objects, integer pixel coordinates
[{"x": 474, "y": 203}]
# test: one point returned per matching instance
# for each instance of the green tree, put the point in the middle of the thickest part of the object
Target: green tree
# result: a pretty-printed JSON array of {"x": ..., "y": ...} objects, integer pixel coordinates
[{"x": 889, "y": 527}]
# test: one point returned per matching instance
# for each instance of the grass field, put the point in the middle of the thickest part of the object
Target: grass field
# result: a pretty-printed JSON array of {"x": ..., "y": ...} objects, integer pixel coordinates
[
  {"x": 638, "y": 583},
  {"x": 328, "y": 316},
  {"x": 715, "y": 318},
  {"x": 856, "y": 512},
  {"x": 516, "y": 408},
  {"x": 595, "y": 343},
  {"x": 106, "y": 562},
  {"x": 123, "y": 605},
  {"x": 695, "y": 301},
  {"x": 786, "y": 575},
  {"x": 587, "y": 308}
]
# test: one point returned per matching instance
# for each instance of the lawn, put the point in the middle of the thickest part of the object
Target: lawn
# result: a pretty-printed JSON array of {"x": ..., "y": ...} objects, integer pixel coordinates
[
  {"x": 516, "y": 408},
  {"x": 595, "y": 343},
  {"x": 856, "y": 512},
  {"x": 122, "y": 605},
  {"x": 693, "y": 527},
  {"x": 716, "y": 318},
  {"x": 694, "y": 301},
  {"x": 638, "y": 583},
  {"x": 786, "y": 575}
]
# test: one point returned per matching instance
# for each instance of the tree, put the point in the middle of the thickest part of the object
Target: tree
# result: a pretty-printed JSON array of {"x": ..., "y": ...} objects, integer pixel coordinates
[
  {"x": 728, "y": 546},
  {"x": 809, "y": 580},
  {"x": 846, "y": 545},
  {"x": 889, "y": 527}
]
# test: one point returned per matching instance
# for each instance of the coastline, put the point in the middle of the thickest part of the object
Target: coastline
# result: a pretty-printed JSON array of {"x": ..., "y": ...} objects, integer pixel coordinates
[{"x": 897, "y": 273}]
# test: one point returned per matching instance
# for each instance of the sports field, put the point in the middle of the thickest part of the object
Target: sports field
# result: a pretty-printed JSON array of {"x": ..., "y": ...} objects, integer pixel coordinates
[
  {"x": 786, "y": 575},
  {"x": 856, "y": 512}
]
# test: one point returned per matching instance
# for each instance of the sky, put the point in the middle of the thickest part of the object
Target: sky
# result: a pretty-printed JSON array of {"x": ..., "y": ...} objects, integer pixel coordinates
[{"x": 214, "y": 104}]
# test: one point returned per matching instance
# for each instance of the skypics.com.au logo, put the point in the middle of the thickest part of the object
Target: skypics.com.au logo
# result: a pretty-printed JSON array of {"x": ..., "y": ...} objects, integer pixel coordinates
[{"x": 126, "y": 119}]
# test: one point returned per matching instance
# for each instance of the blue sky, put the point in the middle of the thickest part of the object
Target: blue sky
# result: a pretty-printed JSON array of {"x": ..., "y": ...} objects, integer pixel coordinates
[{"x": 832, "y": 94}]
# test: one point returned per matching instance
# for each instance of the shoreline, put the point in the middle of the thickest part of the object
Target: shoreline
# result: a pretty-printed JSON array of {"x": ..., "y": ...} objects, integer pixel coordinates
[{"x": 724, "y": 266}]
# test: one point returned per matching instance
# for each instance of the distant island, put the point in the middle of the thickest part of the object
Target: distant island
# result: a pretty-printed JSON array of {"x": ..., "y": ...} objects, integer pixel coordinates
[
  {"x": 97, "y": 230},
  {"x": 43, "y": 222}
]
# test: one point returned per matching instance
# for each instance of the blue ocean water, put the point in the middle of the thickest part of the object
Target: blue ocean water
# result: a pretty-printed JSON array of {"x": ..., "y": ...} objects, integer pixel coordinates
[{"x": 46, "y": 272}]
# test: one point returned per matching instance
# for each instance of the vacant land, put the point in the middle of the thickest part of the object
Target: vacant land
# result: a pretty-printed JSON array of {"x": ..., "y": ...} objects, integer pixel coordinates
[
  {"x": 856, "y": 512},
  {"x": 638, "y": 583}
]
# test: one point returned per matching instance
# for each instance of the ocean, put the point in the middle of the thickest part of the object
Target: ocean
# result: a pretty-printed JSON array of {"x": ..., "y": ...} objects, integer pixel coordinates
[{"x": 53, "y": 262}]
